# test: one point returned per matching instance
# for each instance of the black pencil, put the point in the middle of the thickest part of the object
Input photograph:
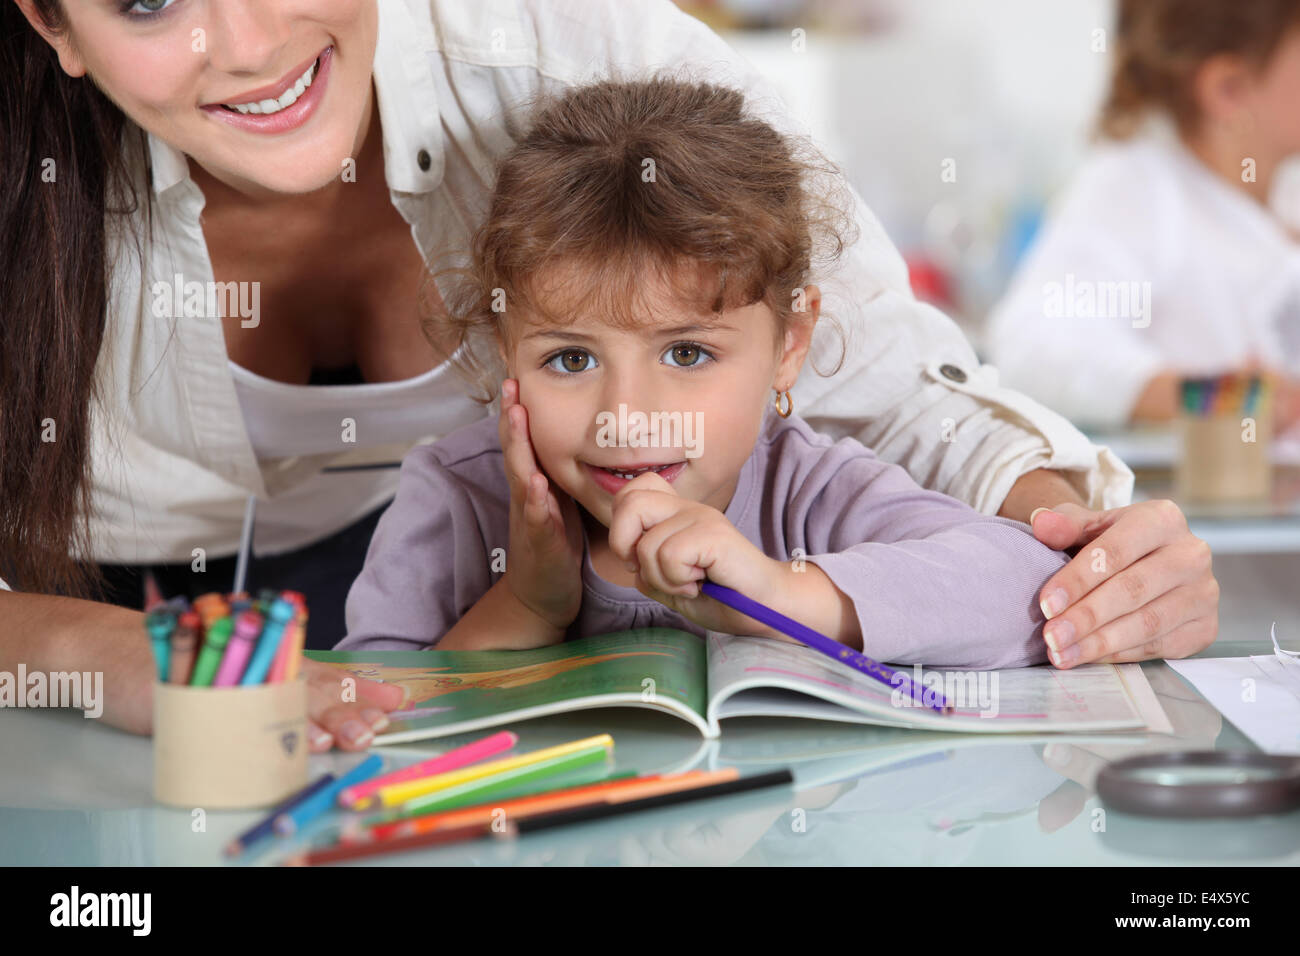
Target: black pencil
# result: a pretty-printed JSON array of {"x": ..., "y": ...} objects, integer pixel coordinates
[{"x": 544, "y": 821}]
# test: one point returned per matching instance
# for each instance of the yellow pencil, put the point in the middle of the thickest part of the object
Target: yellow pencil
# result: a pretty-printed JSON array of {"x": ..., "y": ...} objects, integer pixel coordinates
[{"x": 401, "y": 792}]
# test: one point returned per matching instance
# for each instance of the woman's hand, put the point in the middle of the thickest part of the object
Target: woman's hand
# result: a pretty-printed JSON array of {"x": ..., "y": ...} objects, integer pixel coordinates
[
  {"x": 1139, "y": 588},
  {"x": 544, "y": 561},
  {"x": 334, "y": 718},
  {"x": 672, "y": 543}
]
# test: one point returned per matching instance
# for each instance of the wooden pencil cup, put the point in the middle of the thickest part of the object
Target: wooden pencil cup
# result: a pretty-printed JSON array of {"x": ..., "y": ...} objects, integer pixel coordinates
[
  {"x": 1218, "y": 465},
  {"x": 229, "y": 747}
]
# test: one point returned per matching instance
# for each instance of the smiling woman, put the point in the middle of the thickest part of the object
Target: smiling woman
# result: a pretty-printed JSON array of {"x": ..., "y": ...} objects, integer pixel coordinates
[{"x": 324, "y": 152}]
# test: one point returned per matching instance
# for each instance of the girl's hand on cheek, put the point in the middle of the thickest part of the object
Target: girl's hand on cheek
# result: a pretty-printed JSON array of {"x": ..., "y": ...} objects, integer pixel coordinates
[
  {"x": 544, "y": 559},
  {"x": 673, "y": 544}
]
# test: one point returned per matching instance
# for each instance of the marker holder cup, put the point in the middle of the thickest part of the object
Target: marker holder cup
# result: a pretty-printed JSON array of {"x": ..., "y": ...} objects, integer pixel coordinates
[
  {"x": 229, "y": 747},
  {"x": 1217, "y": 466}
]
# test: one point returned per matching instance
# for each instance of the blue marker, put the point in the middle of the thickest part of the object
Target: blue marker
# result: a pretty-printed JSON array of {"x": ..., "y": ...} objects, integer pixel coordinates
[
  {"x": 324, "y": 799},
  {"x": 280, "y": 613},
  {"x": 160, "y": 623}
]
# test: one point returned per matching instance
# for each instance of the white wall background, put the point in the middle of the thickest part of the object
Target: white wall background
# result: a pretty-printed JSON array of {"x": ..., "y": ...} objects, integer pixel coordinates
[{"x": 1007, "y": 89}]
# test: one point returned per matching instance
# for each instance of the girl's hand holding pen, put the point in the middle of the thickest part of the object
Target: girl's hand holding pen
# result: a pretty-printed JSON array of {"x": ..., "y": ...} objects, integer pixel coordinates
[
  {"x": 544, "y": 559},
  {"x": 673, "y": 543}
]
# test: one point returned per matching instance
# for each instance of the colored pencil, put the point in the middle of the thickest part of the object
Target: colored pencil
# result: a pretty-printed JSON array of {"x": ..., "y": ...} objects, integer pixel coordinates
[
  {"x": 498, "y": 786},
  {"x": 401, "y": 792},
  {"x": 266, "y": 826},
  {"x": 351, "y": 851},
  {"x": 546, "y": 821},
  {"x": 559, "y": 800},
  {"x": 297, "y": 817},
  {"x": 820, "y": 642},
  {"x": 359, "y": 797}
]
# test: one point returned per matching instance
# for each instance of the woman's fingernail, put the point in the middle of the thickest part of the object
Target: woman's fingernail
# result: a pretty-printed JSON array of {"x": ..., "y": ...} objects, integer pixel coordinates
[
  {"x": 1054, "y": 603},
  {"x": 1059, "y": 635},
  {"x": 1034, "y": 513},
  {"x": 377, "y": 719},
  {"x": 356, "y": 733},
  {"x": 320, "y": 739}
]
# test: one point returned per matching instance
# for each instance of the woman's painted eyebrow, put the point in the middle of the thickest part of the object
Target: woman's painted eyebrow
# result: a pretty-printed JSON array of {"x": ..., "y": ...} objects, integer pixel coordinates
[{"x": 675, "y": 330}]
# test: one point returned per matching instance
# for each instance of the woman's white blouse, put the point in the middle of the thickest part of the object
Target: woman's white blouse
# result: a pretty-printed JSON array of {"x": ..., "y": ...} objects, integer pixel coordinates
[
  {"x": 176, "y": 454},
  {"x": 1149, "y": 262}
]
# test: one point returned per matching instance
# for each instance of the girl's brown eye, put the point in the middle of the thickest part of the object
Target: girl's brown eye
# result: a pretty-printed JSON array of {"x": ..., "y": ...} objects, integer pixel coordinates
[
  {"x": 574, "y": 361},
  {"x": 686, "y": 354}
]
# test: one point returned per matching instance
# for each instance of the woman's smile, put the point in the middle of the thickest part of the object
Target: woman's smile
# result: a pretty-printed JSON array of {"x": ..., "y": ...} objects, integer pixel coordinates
[{"x": 281, "y": 107}]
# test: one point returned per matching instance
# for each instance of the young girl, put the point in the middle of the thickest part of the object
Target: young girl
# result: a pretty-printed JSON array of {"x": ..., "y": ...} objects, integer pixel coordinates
[
  {"x": 643, "y": 277},
  {"x": 1165, "y": 236}
]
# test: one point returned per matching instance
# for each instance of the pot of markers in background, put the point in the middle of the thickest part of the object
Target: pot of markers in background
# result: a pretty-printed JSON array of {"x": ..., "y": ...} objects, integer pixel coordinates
[
  {"x": 1225, "y": 426},
  {"x": 230, "y": 704}
]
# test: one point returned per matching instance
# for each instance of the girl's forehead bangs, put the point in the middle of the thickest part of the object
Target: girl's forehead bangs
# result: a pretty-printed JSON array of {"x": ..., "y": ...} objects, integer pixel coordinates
[{"x": 624, "y": 291}]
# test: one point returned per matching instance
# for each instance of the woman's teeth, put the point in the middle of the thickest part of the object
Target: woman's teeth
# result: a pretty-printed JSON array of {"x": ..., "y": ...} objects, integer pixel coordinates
[{"x": 287, "y": 99}]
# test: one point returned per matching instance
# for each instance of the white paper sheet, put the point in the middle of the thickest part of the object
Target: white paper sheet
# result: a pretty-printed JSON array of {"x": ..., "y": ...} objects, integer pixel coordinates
[{"x": 1260, "y": 694}]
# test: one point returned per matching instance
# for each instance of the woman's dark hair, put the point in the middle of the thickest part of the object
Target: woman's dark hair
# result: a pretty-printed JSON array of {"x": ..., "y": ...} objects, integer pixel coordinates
[
  {"x": 1160, "y": 44},
  {"x": 621, "y": 176},
  {"x": 61, "y": 157}
]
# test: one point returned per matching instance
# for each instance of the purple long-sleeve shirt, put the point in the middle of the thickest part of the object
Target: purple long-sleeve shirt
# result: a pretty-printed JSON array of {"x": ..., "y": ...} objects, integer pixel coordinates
[{"x": 933, "y": 581}]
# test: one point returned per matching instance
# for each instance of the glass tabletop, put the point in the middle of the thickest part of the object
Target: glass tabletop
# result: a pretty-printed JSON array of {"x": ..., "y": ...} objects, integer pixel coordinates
[{"x": 77, "y": 792}]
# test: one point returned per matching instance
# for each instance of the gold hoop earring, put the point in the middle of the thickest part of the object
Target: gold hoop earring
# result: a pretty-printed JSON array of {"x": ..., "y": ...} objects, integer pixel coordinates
[{"x": 789, "y": 404}]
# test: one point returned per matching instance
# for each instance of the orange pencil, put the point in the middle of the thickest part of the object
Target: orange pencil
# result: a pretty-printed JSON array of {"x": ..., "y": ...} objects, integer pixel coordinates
[
  {"x": 618, "y": 792},
  {"x": 380, "y": 831}
]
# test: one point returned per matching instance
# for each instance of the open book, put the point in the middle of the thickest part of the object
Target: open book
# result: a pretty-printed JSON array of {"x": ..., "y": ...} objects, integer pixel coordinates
[{"x": 707, "y": 681}]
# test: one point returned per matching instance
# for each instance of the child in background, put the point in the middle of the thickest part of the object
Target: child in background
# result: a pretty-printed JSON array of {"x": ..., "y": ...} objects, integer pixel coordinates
[
  {"x": 1164, "y": 243},
  {"x": 649, "y": 250}
]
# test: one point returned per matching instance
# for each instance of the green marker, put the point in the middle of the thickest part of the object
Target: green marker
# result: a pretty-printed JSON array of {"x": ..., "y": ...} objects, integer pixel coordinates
[{"x": 214, "y": 646}]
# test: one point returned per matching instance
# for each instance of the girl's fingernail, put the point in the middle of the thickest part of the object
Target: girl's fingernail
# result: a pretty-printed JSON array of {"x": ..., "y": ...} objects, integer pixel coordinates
[
  {"x": 377, "y": 719},
  {"x": 356, "y": 733},
  {"x": 1054, "y": 603},
  {"x": 320, "y": 739},
  {"x": 1033, "y": 513}
]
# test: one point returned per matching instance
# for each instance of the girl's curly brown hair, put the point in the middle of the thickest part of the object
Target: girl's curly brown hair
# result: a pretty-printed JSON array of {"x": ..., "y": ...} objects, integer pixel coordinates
[{"x": 629, "y": 179}]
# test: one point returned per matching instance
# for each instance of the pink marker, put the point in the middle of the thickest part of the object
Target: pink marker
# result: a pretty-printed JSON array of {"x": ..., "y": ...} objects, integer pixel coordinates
[
  {"x": 248, "y": 626},
  {"x": 451, "y": 760}
]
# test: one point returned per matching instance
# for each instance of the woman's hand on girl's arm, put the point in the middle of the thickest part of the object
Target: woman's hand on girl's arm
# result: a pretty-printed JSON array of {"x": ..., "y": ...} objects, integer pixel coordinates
[{"x": 1140, "y": 587}]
